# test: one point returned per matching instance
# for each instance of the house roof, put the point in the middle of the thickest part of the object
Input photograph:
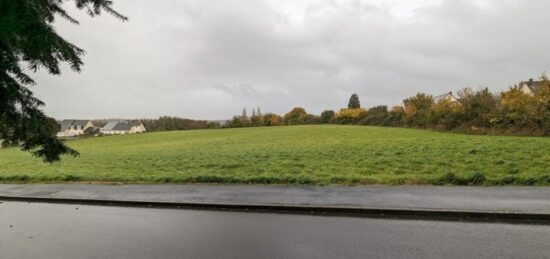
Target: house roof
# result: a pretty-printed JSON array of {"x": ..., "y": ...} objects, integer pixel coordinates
[
  {"x": 533, "y": 85},
  {"x": 439, "y": 98},
  {"x": 435, "y": 99},
  {"x": 110, "y": 125},
  {"x": 121, "y": 125},
  {"x": 66, "y": 124}
]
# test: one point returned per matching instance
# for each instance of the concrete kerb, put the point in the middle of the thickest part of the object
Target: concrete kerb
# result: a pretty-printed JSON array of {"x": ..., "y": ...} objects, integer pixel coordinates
[{"x": 369, "y": 212}]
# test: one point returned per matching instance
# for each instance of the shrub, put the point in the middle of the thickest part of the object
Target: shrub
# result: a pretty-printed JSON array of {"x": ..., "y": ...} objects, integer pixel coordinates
[
  {"x": 375, "y": 116},
  {"x": 271, "y": 119},
  {"x": 418, "y": 110},
  {"x": 327, "y": 116},
  {"x": 350, "y": 116},
  {"x": 296, "y": 116},
  {"x": 446, "y": 114},
  {"x": 479, "y": 108}
]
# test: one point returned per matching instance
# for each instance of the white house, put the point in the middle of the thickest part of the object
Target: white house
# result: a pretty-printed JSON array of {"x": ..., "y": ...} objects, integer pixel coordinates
[
  {"x": 446, "y": 96},
  {"x": 529, "y": 87},
  {"x": 122, "y": 127},
  {"x": 71, "y": 128}
]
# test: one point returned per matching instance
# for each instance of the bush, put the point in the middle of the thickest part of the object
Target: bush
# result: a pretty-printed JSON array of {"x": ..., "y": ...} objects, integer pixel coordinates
[
  {"x": 271, "y": 119},
  {"x": 418, "y": 111},
  {"x": 296, "y": 116},
  {"x": 375, "y": 116},
  {"x": 350, "y": 116},
  {"x": 327, "y": 116}
]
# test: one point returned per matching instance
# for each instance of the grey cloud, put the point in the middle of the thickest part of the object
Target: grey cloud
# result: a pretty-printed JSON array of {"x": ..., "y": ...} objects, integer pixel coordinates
[{"x": 209, "y": 59}]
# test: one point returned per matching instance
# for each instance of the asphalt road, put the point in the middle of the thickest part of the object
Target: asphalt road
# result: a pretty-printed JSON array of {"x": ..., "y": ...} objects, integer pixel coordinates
[{"x": 41, "y": 230}]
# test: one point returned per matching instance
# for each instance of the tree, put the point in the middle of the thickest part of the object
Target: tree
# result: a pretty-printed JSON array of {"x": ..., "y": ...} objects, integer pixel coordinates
[
  {"x": 27, "y": 37},
  {"x": 236, "y": 122},
  {"x": 257, "y": 119},
  {"x": 479, "y": 107},
  {"x": 312, "y": 119},
  {"x": 517, "y": 108},
  {"x": 543, "y": 99},
  {"x": 271, "y": 119},
  {"x": 295, "y": 117},
  {"x": 245, "y": 122},
  {"x": 446, "y": 114},
  {"x": 395, "y": 117},
  {"x": 375, "y": 115},
  {"x": 327, "y": 116},
  {"x": 418, "y": 110},
  {"x": 354, "y": 102}
]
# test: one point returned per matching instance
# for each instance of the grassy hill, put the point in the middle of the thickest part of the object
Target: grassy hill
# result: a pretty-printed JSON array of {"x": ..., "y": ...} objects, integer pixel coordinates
[{"x": 314, "y": 154}]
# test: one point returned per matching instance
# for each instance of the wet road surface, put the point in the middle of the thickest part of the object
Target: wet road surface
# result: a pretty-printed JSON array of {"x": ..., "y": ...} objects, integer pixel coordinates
[{"x": 41, "y": 230}]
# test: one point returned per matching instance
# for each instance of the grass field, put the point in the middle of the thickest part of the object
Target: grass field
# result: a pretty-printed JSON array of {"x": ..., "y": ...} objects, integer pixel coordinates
[{"x": 327, "y": 154}]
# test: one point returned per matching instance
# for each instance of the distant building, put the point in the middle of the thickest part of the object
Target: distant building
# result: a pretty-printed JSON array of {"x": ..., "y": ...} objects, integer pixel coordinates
[
  {"x": 529, "y": 87},
  {"x": 72, "y": 128},
  {"x": 122, "y": 127},
  {"x": 446, "y": 96}
]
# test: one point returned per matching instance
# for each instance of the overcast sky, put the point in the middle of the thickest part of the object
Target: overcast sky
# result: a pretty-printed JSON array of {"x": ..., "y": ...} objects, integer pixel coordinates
[{"x": 207, "y": 59}]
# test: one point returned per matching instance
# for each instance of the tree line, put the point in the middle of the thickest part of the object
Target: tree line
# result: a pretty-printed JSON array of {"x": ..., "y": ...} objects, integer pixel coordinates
[
  {"x": 511, "y": 112},
  {"x": 167, "y": 123}
]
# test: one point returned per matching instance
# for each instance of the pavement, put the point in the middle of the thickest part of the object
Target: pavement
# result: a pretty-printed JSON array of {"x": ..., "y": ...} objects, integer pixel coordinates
[
  {"x": 46, "y": 230},
  {"x": 515, "y": 203}
]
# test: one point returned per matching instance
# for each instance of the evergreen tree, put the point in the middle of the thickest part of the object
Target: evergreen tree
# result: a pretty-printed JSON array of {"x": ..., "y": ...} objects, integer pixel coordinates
[
  {"x": 257, "y": 119},
  {"x": 354, "y": 102},
  {"x": 28, "y": 41},
  {"x": 245, "y": 122}
]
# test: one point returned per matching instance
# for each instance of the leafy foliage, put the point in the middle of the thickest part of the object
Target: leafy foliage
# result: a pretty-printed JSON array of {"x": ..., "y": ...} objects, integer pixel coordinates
[
  {"x": 296, "y": 116},
  {"x": 350, "y": 116},
  {"x": 375, "y": 116},
  {"x": 475, "y": 111},
  {"x": 418, "y": 110},
  {"x": 478, "y": 106},
  {"x": 271, "y": 119},
  {"x": 327, "y": 116}
]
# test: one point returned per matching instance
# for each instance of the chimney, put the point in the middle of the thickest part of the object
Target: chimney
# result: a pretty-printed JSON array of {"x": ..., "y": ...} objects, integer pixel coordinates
[{"x": 530, "y": 80}]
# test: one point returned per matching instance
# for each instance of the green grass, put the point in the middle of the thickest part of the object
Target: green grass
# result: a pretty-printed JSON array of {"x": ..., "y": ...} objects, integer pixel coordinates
[{"x": 327, "y": 154}]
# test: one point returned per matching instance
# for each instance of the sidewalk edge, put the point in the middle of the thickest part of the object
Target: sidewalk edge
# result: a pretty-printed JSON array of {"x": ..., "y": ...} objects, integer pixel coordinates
[{"x": 372, "y": 212}]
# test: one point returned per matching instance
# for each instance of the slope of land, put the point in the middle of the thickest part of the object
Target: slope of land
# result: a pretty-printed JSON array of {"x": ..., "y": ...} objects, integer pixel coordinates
[{"x": 313, "y": 154}]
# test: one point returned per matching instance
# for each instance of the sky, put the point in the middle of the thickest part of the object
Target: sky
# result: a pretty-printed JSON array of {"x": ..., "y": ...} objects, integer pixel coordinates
[{"x": 209, "y": 59}]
